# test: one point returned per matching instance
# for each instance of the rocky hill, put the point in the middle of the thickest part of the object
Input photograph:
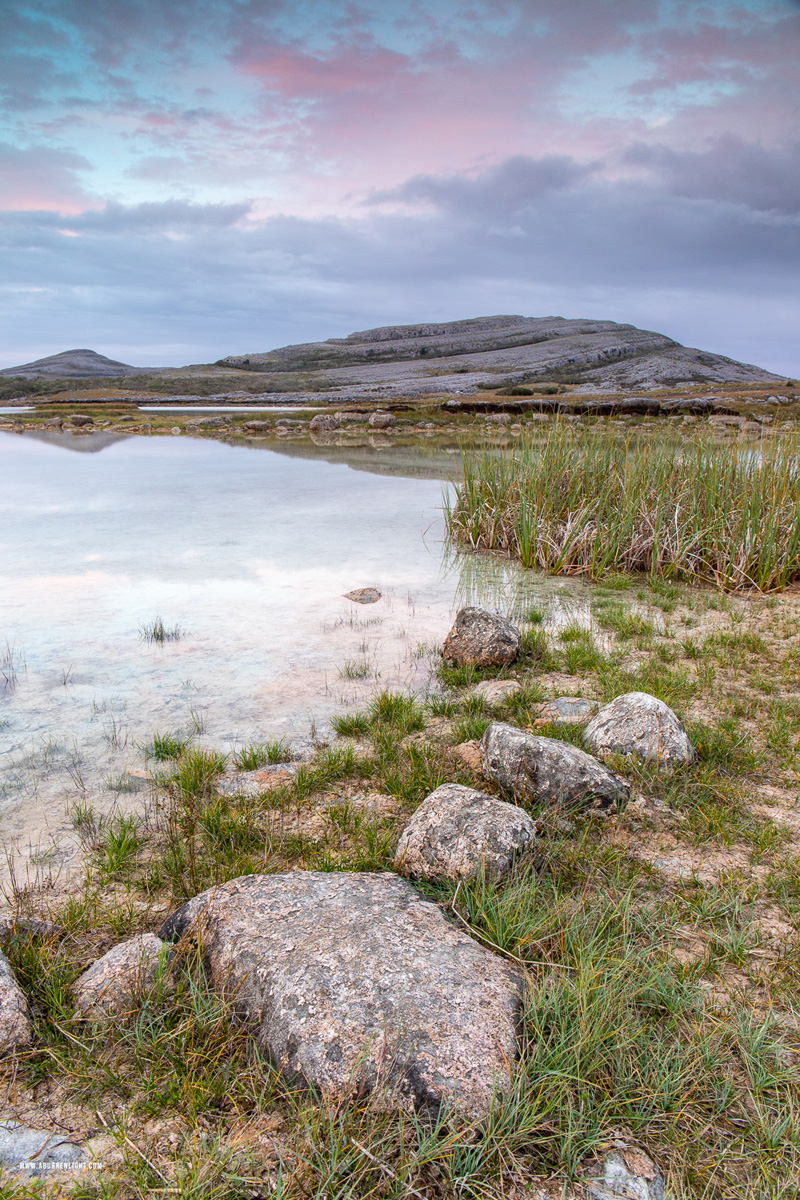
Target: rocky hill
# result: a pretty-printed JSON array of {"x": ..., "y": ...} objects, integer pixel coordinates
[
  {"x": 461, "y": 356},
  {"x": 74, "y": 364}
]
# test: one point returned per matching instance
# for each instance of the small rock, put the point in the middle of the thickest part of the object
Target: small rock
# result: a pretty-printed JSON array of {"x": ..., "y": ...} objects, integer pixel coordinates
[
  {"x": 25, "y": 1151},
  {"x": 624, "y": 1175},
  {"x": 568, "y": 710},
  {"x": 498, "y": 418},
  {"x": 481, "y": 639},
  {"x": 254, "y": 783},
  {"x": 78, "y": 419},
  {"x": 457, "y": 832},
  {"x": 548, "y": 771},
  {"x": 111, "y": 985},
  {"x": 54, "y": 423},
  {"x": 288, "y": 423},
  {"x": 638, "y": 724},
  {"x": 15, "y": 1025},
  {"x": 382, "y": 420},
  {"x": 324, "y": 421},
  {"x": 257, "y": 426},
  {"x": 364, "y": 595},
  {"x": 352, "y": 982},
  {"x": 495, "y": 691},
  {"x": 176, "y": 429},
  {"x": 469, "y": 753}
]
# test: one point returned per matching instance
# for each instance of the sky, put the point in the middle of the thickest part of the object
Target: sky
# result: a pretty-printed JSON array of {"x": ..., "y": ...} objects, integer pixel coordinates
[{"x": 186, "y": 179}]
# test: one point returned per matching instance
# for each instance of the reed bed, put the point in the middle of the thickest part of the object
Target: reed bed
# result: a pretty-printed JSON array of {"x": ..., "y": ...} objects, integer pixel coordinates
[{"x": 594, "y": 501}]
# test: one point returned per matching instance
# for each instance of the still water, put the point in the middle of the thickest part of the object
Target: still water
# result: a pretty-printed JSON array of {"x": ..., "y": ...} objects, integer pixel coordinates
[{"x": 248, "y": 549}]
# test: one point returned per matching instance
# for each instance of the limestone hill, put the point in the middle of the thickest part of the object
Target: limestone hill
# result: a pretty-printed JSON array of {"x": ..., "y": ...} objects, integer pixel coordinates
[{"x": 73, "y": 364}]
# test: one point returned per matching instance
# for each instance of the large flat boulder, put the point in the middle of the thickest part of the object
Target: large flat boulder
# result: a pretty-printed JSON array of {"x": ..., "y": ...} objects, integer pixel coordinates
[
  {"x": 15, "y": 1024},
  {"x": 641, "y": 726},
  {"x": 354, "y": 982},
  {"x": 458, "y": 832},
  {"x": 481, "y": 639},
  {"x": 547, "y": 771}
]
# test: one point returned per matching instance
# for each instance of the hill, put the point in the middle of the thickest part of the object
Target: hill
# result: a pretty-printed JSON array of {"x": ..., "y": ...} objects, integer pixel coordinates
[
  {"x": 74, "y": 364},
  {"x": 466, "y": 355}
]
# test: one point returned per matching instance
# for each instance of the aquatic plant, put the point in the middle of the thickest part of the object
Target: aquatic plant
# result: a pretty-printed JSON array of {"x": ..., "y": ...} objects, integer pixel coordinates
[
  {"x": 594, "y": 502},
  {"x": 157, "y": 631}
]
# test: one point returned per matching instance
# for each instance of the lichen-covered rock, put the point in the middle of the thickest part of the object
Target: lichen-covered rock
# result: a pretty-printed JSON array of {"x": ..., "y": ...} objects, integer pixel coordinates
[
  {"x": 458, "y": 832},
  {"x": 547, "y": 771},
  {"x": 626, "y": 1175},
  {"x": 637, "y": 724},
  {"x": 113, "y": 984},
  {"x": 568, "y": 710},
  {"x": 382, "y": 420},
  {"x": 79, "y": 419},
  {"x": 324, "y": 422},
  {"x": 354, "y": 982},
  {"x": 15, "y": 1024},
  {"x": 481, "y": 639}
]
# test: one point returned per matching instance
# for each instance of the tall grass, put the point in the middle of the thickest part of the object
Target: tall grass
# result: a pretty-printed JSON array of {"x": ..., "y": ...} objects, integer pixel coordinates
[{"x": 593, "y": 502}]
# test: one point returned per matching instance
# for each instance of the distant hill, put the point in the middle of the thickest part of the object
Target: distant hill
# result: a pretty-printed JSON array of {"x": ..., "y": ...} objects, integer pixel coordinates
[
  {"x": 74, "y": 364},
  {"x": 465, "y": 355}
]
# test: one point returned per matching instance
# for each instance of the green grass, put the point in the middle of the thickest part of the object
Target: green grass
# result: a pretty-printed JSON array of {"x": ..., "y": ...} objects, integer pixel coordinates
[
  {"x": 156, "y": 632},
  {"x": 258, "y": 754},
  {"x": 166, "y": 746},
  {"x": 594, "y": 503}
]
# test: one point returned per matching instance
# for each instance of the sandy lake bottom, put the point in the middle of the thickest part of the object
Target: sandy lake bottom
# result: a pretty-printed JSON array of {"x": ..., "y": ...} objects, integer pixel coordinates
[{"x": 248, "y": 549}]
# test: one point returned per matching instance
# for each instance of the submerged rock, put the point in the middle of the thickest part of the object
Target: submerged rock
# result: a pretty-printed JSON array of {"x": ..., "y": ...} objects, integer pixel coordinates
[
  {"x": 638, "y": 724},
  {"x": 15, "y": 1024},
  {"x": 457, "y": 832},
  {"x": 364, "y": 595},
  {"x": 354, "y": 982},
  {"x": 547, "y": 771},
  {"x": 111, "y": 985},
  {"x": 481, "y": 639}
]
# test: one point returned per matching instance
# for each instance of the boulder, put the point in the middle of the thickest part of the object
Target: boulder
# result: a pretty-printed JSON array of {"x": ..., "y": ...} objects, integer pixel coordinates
[
  {"x": 78, "y": 419},
  {"x": 640, "y": 725},
  {"x": 324, "y": 422},
  {"x": 15, "y": 1025},
  {"x": 495, "y": 691},
  {"x": 257, "y": 426},
  {"x": 351, "y": 418},
  {"x": 458, "y": 832},
  {"x": 547, "y": 771},
  {"x": 354, "y": 982},
  {"x": 111, "y": 985},
  {"x": 25, "y": 1151},
  {"x": 364, "y": 595},
  {"x": 568, "y": 710},
  {"x": 54, "y": 423},
  {"x": 481, "y": 639},
  {"x": 382, "y": 420}
]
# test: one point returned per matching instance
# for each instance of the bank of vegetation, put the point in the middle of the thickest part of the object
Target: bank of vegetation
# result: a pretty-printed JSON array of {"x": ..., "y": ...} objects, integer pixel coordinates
[{"x": 696, "y": 508}]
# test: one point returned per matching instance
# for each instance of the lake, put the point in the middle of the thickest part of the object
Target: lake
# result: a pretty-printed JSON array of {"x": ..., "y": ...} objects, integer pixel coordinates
[{"x": 247, "y": 549}]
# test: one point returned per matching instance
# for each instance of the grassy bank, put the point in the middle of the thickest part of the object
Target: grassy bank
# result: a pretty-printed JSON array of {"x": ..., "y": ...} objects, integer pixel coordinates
[
  {"x": 659, "y": 944},
  {"x": 590, "y": 502}
]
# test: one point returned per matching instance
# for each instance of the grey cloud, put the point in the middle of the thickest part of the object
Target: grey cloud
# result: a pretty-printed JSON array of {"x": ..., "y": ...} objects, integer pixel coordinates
[
  {"x": 201, "y": 276},
  {"x": 508, "y": 188},
  {"x": 33, "y": 173},
  {"x": 731, "y": 170}
]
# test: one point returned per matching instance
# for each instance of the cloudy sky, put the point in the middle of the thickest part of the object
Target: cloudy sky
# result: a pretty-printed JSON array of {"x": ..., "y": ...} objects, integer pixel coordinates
[{"x": 184, "y": 179}]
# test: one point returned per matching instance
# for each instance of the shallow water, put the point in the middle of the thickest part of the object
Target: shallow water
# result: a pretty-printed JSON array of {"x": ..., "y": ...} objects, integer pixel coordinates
[{"x": 248, "y": 549}]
